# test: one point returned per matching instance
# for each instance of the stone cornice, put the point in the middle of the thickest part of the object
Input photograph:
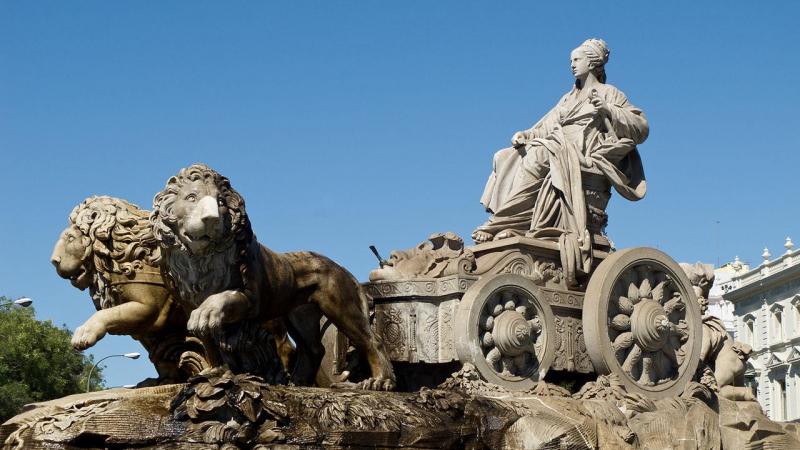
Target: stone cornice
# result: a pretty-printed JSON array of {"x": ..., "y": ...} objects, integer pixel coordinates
[{"x": 761, "y": 283}]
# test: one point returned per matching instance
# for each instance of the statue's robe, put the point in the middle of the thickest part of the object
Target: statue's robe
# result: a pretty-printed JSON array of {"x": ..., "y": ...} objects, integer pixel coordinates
[{"x": 538, "y": 189}]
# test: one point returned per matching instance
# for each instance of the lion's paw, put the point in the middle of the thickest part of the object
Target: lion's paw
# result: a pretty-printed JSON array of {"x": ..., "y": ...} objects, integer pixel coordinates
[
  {"x": 88, "y": 334},
  {"x": 217, "y": 310},
  {"x": 205, "y": 319},
  {"x": 370, "y": 384}
]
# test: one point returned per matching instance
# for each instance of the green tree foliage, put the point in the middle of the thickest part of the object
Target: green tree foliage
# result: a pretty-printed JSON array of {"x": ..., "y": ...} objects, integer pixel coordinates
[{"x": 37, "y": 362}]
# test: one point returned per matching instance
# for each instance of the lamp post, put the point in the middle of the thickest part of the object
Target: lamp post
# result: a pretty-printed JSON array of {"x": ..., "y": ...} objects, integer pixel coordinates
[
  {"x": 132, "y": 355},
  {"x": 22, "y": 301}
]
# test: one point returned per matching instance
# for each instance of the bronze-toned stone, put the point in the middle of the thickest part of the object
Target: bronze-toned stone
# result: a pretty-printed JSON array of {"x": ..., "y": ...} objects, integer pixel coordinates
[
  {"x": 225, "y": 277},
  {"x": 110, "y": 249}
]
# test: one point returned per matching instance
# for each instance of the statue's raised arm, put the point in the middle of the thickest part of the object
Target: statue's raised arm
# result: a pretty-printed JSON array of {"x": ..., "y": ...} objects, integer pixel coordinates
[{"x": 554, "y": 182}]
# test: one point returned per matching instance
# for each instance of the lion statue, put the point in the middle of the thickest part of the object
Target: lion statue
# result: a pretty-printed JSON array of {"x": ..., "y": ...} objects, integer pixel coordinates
[
  {"x": 109, "y": 248},
  {"x": 227, "y": 278}
]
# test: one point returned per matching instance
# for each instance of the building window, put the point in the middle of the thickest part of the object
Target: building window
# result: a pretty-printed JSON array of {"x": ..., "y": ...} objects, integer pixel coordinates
[
  {"x": 751, "y": 382},
  {"x": 749, "y": 330},
  {"x": 777, "y": 323},
  {"x": 796, "y": 313},
  {"x": 780, "y": 399}
]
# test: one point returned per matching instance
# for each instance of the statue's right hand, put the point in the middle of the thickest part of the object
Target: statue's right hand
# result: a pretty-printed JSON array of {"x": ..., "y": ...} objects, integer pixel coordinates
[{"x": 518, "y": 139}]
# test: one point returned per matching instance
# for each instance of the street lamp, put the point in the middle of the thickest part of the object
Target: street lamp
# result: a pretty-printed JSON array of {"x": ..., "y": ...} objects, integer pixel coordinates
[
  {"x": 131, "y": 355},
  {"x": 22, "y": 301}
]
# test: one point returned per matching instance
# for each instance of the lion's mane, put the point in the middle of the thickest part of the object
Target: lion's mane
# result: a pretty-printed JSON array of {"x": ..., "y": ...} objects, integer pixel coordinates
[
  {"x": 197, "y": 276},
  {"x": 122, "y": 240}
]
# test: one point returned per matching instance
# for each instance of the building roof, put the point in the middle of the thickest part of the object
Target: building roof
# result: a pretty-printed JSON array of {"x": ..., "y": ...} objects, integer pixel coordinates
[{"x": 772, "y": 273}]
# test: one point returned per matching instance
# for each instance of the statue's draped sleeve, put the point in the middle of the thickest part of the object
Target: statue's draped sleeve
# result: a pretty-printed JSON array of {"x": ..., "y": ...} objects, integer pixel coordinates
[{"x": 619, "y": 160}]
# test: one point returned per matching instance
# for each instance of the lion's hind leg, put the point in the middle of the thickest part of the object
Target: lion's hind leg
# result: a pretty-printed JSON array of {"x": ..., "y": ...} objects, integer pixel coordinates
[
  {"x": 345, "y": 304},
  {"x": 303, "y": 327}
]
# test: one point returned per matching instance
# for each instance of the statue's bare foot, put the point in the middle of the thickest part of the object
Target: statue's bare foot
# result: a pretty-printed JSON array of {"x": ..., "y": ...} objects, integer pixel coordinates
[
  {"x": 504, "y": 234},
  {"x": 370, "y": 384},
  {"x": 481, "y": 236}
]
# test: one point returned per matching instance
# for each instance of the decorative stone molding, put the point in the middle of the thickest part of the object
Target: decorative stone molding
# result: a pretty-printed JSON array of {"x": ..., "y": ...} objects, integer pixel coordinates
[
  {"x": 772, "y": 361},
  {"x": 427, "y": 287}
]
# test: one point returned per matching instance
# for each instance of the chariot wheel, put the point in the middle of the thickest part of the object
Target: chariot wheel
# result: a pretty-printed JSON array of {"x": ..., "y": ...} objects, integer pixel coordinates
[
  {"x": 504, "y": 327},
  {"x": 641, "y": 320}
]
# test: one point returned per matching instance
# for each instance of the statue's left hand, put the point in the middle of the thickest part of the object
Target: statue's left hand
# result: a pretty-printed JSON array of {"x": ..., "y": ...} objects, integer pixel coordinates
[{"x": 216, "y": 310}]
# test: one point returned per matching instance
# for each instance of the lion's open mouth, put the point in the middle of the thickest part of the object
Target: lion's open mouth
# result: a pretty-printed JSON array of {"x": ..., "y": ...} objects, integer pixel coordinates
[
  {"x": 79, "y": 279},
  {"x": 201, "y": 238}
]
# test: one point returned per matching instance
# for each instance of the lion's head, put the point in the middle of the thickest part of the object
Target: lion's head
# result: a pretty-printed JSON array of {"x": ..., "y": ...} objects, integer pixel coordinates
[
  {"x": 198, "y": 211},
  {"x": 72, "y": 257},
  {"x": 105, "y": 235}
]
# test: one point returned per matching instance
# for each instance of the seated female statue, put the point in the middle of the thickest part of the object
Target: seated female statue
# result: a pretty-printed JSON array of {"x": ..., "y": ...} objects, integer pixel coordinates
[{"x": 536, "y": 186}]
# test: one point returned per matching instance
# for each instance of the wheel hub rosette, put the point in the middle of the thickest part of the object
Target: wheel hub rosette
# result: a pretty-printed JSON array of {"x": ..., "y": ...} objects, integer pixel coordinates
[
  {"x": 641, "y": 321},
  {"x": 504, "y": 327},
  {"x": 510, "y": 330},
  {"x": 647, "y": 325}
]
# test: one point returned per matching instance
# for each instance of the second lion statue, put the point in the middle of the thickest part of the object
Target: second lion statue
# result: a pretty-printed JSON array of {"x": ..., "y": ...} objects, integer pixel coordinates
[{"x": 227, "y": 279}]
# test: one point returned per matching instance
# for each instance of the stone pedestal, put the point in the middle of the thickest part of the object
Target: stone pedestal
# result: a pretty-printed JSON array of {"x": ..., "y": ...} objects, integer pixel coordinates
[{"x": 223, "y": 411}]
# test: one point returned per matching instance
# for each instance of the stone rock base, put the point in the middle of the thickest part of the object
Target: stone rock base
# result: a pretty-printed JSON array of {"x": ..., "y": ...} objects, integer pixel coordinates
[{"x": 223, "y": 411}]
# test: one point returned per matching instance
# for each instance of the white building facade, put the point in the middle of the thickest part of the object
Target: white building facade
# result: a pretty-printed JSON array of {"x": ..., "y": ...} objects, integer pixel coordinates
[
  {"x": 717, "y": 305},
  {"x": 766, "y": 310}
]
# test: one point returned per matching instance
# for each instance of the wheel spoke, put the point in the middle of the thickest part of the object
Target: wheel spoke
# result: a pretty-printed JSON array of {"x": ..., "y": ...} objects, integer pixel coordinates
[
  {"x": 674, "y": 305},
  {"x": 660, "y": 292},
  {"x": 646, "y": 289},
  {"x": 647, "y": 377},
  {"x": 493, "y": 357},
  {"x": 622, "y": 343},
  {"x": 487, "y": 340},
  {"x": 488, "y": 323},
  {"x": 632, "y": 360},
  {"x": 621, "y": 322},
  {"x": 625, "y": 306},
  {"x": 633, "y": 293}
]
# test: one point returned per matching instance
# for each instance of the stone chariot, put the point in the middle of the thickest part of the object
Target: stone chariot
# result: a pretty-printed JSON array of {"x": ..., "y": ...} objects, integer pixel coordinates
[{"x": 507, "y": 307}]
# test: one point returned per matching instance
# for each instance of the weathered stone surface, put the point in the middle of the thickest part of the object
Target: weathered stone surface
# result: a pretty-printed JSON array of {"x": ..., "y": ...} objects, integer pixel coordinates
[
  {"x": 226, "y": 279},
  {"x": 219, "y": 410},
  {"x": 441, "y": 255},
  {"x": 744, "y": 425},
  {"x": 109, "y": 249}
]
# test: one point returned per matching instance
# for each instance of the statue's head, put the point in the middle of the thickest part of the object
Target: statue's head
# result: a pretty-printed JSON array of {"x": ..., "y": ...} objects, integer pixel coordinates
[
  {"x": 590, "y": 57},
  {"x": 105, "y": 235},
  {"x": 198, "y": 211},
  {"x": 71, "y": 257}
]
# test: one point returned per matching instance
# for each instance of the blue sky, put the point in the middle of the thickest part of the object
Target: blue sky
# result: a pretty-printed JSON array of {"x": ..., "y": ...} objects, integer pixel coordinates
[{"x": 347, "y": 124}]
